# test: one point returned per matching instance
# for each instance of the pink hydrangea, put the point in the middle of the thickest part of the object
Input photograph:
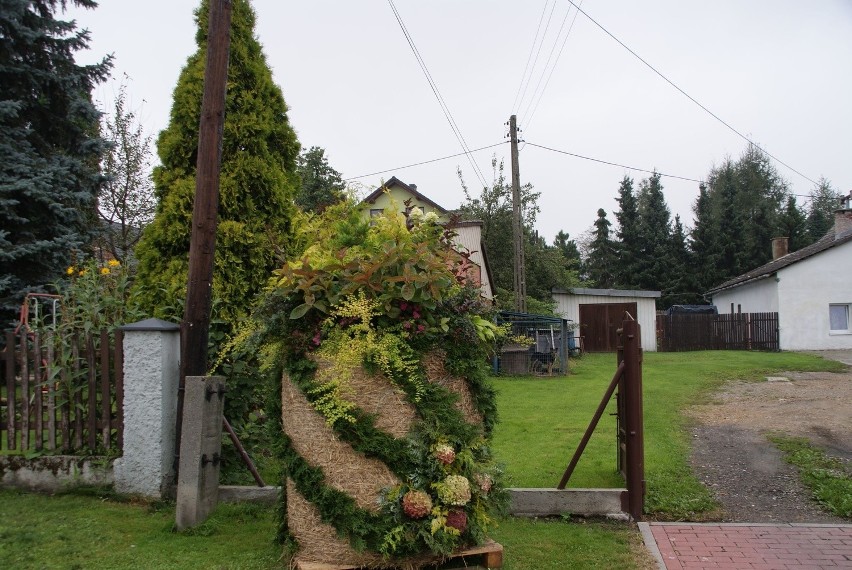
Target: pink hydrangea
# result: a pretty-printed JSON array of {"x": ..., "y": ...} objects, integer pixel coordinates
[
  {"x": 484, "y": 482},
  {"x": 416, "y": 504},
  {"x": 445, "y": 453}
]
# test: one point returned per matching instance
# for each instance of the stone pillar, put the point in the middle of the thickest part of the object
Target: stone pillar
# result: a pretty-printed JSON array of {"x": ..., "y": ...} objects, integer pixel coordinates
[
  {"x": 151, "y": 378},
  {"x": 200, "y": 450}
]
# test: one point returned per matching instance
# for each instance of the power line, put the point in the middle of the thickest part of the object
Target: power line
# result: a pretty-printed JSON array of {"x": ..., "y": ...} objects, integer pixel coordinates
[
  {"x": 552, "y": 69},
  {"x": 423, "y": 162},
  {"x": 537, "y": 53},
  {"x": 529, "y": 57},
  {"x": 616, "y": 164},
  {"x": 434, "y": 86},
  {"x": 688, "y": 96}
]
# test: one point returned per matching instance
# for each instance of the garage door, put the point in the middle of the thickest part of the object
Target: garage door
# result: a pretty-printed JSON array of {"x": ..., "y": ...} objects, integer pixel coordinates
[{"x": 599, "y": 322}]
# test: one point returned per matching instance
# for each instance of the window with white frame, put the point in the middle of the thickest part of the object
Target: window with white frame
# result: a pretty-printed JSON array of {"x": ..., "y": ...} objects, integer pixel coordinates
[{"x": 838, "y": 317}]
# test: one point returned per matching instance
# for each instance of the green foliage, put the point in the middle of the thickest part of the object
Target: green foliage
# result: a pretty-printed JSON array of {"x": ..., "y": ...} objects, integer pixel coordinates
[
  {"x": 256, "y": 186},
  {"x": 824, "y": 200},
  {"x": 49, "y": 146},
  {"x": 601, "y": 263},
  {"x": 383, "y": 304},
  {"x": 321, "y": 184},
  {"x": 126, "y": 201},
  {"x": 827, "y": 477}
]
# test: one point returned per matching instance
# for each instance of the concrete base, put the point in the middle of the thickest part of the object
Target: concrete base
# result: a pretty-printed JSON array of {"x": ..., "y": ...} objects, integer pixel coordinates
[
  {"x": 553, "y": 502},
  {"x": 54, "y": 473},
  {"x": 238, "y": 494}
]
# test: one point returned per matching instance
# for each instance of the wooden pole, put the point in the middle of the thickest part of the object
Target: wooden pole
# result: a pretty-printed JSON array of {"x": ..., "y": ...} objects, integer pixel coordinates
[
  {"x": 520, "y": 284},
  {"x": 199, "y": 292},
  {"x": 633, "y": 422}
]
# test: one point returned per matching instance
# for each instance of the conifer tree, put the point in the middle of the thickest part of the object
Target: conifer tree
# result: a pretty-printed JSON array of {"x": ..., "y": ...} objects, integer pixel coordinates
[
  {"x": 793, "y": 225},
  {"x": 600, "y": 265},
  {"x": 257, "y": 184},
  {"x": 49, "y": 146},
  {"x": 824, "y": 200},
  {"x": 627, "y": 241},
  {"x": 321, "y": 185},
  {"x": 654, "y": 235}
]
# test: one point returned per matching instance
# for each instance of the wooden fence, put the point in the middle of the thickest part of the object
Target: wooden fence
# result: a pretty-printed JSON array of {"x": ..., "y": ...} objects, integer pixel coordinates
[
  {"x": 61, "y": 393},
  {"x": 738, "y": 331}
]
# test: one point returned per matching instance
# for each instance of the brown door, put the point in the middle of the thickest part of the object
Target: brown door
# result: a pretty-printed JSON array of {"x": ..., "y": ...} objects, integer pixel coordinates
[{"x": 598, "y": 324}]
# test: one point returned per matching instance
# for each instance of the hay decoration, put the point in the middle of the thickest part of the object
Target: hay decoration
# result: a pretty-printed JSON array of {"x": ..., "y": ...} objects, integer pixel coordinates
[
  {"x": 386, "y": 408},
  {"x": 345, "y": 470}
]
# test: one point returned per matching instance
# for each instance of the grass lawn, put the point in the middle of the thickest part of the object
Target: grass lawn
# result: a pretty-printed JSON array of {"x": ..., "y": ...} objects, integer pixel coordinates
[
  {"x": 542, "y": 422},
  {"x": 543, "y": 419}
]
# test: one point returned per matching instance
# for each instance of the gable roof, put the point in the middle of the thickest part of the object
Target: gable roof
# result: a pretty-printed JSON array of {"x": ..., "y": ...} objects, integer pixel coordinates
[
  {"x": 828, "y": 241},
  {"x": 410, "y": 188}
]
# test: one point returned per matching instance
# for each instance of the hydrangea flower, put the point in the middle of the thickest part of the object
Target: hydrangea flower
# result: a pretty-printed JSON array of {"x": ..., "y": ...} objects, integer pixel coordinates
[
  {"x": 484, "y": 482},
  {"x": 457, "y": 519},
  {"x": 416, "y": 504},
  {"x": 455, "y": 490},
  {"x": 445, "y": 453}
]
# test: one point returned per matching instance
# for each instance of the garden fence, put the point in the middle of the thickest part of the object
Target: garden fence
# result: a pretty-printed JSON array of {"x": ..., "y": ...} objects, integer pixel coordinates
[
  {"x": 737, "y": 331},
  {"x": 61, "y": 392}
]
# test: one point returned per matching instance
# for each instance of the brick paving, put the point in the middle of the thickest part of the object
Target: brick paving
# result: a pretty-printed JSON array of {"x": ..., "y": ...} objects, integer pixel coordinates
[{"x": 682, "y": 546}]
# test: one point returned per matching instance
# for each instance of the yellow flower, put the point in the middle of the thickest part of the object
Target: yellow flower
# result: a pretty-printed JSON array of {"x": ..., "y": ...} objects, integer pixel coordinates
[
  {"x": 82, "y": 272},
  {"x": 113, "y": 263},
  {"x": 70, "y": 270},
  {"x": 104, "y": 270}
]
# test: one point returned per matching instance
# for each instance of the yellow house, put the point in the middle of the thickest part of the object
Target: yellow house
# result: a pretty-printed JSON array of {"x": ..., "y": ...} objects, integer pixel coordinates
[{"x": 469, "y": 233}]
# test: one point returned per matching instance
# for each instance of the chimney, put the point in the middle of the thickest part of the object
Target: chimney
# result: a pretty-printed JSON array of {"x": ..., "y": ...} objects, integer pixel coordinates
[
  {"x": 843, "y": 217},
  {"x": 413, "y": 186},
  {"x": 780, "y": 247}
]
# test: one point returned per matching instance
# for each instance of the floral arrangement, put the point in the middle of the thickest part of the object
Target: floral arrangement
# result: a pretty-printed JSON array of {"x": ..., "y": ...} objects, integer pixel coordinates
[{"x": 382, "y": 297}]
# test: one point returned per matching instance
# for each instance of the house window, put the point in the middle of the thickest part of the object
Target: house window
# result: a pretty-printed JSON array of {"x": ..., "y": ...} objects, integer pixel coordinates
[
  {"x": 375, "y": 212},
  {"x": 838, "y": 316}
]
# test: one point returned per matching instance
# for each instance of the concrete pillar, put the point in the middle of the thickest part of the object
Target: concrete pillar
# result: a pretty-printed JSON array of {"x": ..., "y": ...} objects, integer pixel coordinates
[
  {"x": 200, "y": 450},
  {"x": 151, "y": 377}
]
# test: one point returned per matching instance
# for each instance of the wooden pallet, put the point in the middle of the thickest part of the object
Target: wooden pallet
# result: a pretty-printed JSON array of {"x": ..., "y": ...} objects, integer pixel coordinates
[{"x": 490, "y": 556}]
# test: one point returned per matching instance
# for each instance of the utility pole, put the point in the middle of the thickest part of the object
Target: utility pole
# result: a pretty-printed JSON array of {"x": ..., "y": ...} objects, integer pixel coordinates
[
  {"x": 199, "y": 292},
  {"x": 517, "y": 223}
]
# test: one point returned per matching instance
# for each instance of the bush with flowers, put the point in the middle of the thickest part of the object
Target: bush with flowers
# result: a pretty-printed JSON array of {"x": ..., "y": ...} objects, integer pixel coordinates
[{"x": 382, "y": 297}]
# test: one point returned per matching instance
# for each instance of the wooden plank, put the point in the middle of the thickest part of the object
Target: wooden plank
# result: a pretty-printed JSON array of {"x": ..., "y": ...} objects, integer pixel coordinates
[
  {"x": 65, "y": 409},
  {"x": 491, "y": 554},
  {"x": 106, "y": 400},
  {"x": 77, "y": 396},
  {"x": 38, "y": 385},
  {"x": 11, "y": 439},
  {"x": 119, "y": 388},
  {"x": 51, "y": 393},
  {"x": 25, "y": 391},
  {"x": 92, "y": 393}
]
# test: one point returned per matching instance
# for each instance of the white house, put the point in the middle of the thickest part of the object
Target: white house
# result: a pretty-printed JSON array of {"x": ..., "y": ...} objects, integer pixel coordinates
[
  {"x": 599, "y": 312},
  {"x": 468, "y": 233},
  {"x": 810, "y": 289}
]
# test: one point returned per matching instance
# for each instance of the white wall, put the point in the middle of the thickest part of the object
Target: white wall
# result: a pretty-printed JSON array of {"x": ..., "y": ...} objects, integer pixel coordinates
[
  {"x": 568, "y": 306},
  {"x": 470, "y": 237},
  {"x": 805, "y": 290},
  {"x": 757, "y": 297}
]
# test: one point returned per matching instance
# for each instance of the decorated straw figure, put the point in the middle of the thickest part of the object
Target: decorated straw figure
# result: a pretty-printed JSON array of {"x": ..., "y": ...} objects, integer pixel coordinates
[{"x": 380, "y": 347}]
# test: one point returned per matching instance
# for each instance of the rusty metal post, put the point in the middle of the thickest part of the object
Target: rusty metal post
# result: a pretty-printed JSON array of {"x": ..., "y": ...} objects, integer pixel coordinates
[{"x": 633, "y": 421}]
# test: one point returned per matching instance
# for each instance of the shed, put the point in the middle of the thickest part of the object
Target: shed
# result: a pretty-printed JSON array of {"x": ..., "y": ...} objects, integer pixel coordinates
[{"x": 600, "y": 312}]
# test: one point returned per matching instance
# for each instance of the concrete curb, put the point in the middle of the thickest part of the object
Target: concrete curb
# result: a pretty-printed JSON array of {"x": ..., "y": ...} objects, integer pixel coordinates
[
  {"x": 554, "y": 502},
  {"x": 651, "y": 544}
]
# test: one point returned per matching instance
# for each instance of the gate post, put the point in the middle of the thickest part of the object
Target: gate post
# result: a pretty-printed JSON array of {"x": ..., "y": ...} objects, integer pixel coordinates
[
  {"x": 633, "y": 421},
  {"x": 151, "y": 371}
]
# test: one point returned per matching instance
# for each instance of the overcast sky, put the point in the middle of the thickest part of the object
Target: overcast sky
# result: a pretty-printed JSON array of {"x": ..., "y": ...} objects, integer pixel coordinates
[{"x": 778, "y": 71}]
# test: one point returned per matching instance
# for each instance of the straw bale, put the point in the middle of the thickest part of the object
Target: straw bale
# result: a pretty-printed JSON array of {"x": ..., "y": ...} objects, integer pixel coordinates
[
  {"x": 376, "y": 395},
  {"x": 345, "y": 469},
  {"x": 433, "y": 364},
  {"x": 320, "y": 543}
]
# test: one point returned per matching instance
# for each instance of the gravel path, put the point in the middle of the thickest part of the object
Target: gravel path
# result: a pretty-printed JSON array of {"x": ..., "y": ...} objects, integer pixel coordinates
[{"x": 746, "y": 473}]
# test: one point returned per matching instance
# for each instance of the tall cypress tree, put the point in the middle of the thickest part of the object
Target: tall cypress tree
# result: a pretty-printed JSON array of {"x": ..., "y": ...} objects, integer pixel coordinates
[
  {"x": 257, "y": 182},
  {"x": 49, "y": 146}
]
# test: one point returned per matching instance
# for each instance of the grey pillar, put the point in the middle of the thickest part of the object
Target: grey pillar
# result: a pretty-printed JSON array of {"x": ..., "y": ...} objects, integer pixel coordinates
[{"x": 151, "y": 375}]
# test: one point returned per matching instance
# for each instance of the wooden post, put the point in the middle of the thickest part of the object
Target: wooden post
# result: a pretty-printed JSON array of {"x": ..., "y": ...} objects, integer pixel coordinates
[
  {"x": 635, "y": 451},
  {"x": 517, "y": 223},
  {"x": 202, "y": 246}
]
